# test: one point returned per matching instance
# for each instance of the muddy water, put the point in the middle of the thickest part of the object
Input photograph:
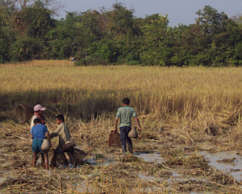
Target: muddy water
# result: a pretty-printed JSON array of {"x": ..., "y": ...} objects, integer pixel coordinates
[
  {"x": 103, "y": 162},
  {"x": 147, "y": 178},
  {"x": 150, "y": 157},
  {"x": 227, "y": 162}
]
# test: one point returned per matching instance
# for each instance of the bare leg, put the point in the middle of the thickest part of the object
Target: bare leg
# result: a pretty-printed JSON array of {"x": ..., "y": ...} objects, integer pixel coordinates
[
  {"x": 67, "y": 156},
  {"x": 53, "y": 160},
  {"x": 42, "y": 160},
  {"x": 34, "y": 159},
  {"x": 46, "y": 160}
]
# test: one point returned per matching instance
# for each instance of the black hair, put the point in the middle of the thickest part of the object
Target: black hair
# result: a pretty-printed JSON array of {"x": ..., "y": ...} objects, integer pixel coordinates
[
  {"x": 37, "y": 120},
  {"x": 126, "y": 101},
  {"x": 60, "y": 117}
]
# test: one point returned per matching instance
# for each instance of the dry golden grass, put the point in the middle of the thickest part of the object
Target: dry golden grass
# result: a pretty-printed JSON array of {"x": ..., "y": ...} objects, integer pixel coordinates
[
  {"x": 183, "y": 111},
  {"x": 212, "y": 96},
  {"x": 152, "y": 89}
]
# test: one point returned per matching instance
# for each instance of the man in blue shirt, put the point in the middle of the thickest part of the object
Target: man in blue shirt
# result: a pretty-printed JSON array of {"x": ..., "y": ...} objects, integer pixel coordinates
[
  {"x": 39, "y": 133},
  {"x": 125, "y": 115}
]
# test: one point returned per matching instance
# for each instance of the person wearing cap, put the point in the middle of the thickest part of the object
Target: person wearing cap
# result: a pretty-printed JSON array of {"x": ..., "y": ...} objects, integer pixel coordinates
[{"x": 38, "y": 113}]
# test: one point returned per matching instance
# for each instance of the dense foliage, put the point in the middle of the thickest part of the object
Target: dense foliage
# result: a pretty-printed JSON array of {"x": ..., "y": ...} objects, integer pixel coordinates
[{"x": 118, "y": 37}]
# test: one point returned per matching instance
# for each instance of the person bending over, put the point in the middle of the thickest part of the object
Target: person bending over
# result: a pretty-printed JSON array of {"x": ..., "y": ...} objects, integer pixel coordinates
[
  {"x": 65, "y": 145},
  {"x": 124, "y": 119}
]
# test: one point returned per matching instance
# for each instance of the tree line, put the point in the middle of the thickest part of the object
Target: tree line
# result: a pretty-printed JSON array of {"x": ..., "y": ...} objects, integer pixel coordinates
[{"x": 29, "y": 30}]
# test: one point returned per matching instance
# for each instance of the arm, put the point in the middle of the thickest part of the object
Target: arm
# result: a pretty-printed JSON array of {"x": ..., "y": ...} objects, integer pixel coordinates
[
  {"x": 31, "y": 132},
  {"x": 138, "y": 123},
  {"x": 47, "y": 134},
  {"x": 31, "y": 124},
  {"x": 137, "y": 119},
  {"x": 117, "y": 120},
  {"x": 116, "y": 124},
  {"x": 55, "y": 133}
]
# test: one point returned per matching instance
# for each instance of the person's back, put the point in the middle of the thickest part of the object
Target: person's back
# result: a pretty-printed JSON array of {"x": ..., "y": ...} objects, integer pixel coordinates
[
  {"x": 38, "y": 131},
  {"x": 124, "y": 118},
  {"x": 125, "y": 114}
]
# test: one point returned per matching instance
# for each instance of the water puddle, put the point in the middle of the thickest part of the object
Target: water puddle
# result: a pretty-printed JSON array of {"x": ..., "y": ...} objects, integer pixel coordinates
[
  {"x": 103, "y": 162},
  {"x": 172, "y": 178},
  {"x": 227, "y": 162},
  {"x": 178, "y": 177},
  {"x": 150, "y": 157},
  {"x": 147, "y": 178}
]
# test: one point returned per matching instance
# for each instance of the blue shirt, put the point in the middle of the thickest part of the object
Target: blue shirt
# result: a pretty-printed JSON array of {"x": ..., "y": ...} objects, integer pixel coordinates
[{"x": 38, "y": 131}]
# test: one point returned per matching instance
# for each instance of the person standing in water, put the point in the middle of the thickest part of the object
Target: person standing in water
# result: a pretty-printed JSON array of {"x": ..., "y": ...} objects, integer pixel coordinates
[{"x": 124, "y": 119}]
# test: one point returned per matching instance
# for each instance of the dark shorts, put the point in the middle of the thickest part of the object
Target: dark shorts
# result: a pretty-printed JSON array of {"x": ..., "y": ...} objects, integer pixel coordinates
[{"x": 36, "y": 145}]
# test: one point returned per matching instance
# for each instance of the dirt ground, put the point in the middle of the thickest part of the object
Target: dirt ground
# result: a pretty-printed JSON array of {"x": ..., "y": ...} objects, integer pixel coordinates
[{"x": 164, "y": 161}]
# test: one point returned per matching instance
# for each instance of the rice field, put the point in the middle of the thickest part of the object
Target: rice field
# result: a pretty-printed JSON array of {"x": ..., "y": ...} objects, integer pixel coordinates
[{"x": 186, "y": 115}]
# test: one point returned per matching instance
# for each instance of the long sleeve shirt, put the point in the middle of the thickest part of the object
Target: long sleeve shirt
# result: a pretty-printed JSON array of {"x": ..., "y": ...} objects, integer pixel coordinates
[{"x": 63, "y": 133}]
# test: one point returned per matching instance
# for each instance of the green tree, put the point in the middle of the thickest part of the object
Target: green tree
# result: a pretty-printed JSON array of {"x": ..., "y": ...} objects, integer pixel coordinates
[
  {"x": 211, "y": 20},
  {"x": 34, "y": 22},
  {"x": 155, "y": 48},
  {"x": 26, "y": 49},
  {"x": 237, "y": 54}
]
